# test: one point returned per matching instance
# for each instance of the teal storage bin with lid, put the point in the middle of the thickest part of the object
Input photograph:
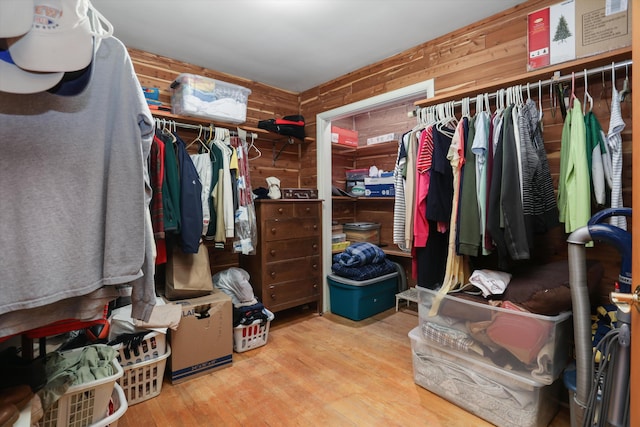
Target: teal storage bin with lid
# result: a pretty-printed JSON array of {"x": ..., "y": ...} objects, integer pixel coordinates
[{"x": 357, "y": 300}]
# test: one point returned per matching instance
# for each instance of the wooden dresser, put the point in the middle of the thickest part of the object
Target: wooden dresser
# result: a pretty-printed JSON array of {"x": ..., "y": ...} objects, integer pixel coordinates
[{"x": 286, "y": 270}]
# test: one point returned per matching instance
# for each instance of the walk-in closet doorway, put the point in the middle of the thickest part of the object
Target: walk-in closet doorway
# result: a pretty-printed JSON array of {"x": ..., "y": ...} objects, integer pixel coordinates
[{"x": 420, "y": 90}]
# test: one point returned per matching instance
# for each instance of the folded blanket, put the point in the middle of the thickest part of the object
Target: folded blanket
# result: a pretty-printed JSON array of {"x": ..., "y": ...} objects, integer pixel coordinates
[
  {"x": 359, "y": 253},
  {"x": 364, "y": 272}
]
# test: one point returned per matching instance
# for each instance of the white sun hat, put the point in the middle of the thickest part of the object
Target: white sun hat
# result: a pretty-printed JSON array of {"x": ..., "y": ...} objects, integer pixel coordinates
[
  {"x": 60, "y": 38},
  {"x": 16, "y": 17}
]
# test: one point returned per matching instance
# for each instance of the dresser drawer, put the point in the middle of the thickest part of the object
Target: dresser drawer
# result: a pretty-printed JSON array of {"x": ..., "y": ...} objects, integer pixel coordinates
[
  {"x": 284, "y": 271},
  {"x": 291, "y": 292},
  {"x": 306, "y": 210},
  {"x": 276, "y": 210},
  {"x": 279, "y": 250},
  {"x": 292, "y": 228}
]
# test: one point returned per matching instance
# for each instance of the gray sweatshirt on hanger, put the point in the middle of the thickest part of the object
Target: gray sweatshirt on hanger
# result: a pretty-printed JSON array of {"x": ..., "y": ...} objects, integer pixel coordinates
[{"x": 74, "y": 193}]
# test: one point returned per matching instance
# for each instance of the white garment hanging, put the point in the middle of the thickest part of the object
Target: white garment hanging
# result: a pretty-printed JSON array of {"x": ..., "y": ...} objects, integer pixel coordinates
[
  {"x": 223, "y": 142},
  {"x": 202, "y": 162},
  {"x": 614, "y": 141}
]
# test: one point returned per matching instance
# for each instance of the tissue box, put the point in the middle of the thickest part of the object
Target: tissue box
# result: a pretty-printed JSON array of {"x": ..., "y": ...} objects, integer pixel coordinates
[
  {"x": 207, "y": 98},
  {"x": 380, "y": 186}
]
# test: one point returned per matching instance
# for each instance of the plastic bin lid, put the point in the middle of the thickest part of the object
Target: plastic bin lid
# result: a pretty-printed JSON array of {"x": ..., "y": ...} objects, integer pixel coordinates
[
  {"x": 361, "y": 225},
  {"x": 345, "y": 281}
]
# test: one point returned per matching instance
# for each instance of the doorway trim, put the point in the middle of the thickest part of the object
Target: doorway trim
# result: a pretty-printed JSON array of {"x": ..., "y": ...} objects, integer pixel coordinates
[{"x": 423, "y": 89}]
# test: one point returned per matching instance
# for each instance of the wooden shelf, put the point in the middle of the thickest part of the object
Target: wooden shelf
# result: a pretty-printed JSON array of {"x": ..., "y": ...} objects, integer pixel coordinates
[
  {"x": 529, "y": 77},
  {"x": 204, "y": 122},
  {"x": 396, "y": 252},
  {"x": 390, "y": 147}
]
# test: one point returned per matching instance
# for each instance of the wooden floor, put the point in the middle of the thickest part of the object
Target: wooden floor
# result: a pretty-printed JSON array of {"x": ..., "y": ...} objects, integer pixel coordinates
[{"x": 313, "y": 371}]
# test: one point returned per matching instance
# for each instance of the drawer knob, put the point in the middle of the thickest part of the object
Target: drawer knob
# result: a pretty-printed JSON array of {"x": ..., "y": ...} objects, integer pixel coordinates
[
  {"x": 273, "y": 274},
  {"x": 314, "y": 246},
  {"x": 280, "y": 210},
  {"x": 273, "y": 296},
  {"x": 273, "y": 230},
  {"x": 315, "y": 226},
  {"x": 315, "y": 286},
  {"x": 273, "y": 252},
  {"x": 308, "y": 209},
  {"x": 271, "y": 287},
  {"x": 314, "y": 266}
]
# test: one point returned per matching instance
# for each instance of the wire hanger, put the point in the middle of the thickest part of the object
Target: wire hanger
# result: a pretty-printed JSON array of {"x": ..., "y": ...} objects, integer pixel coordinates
[
  {"x": 587, "y": 97},
  {"x": 166, "y": 130},
  {"x": 603, "y": 93},
  {"x": 573, "y": 89},
  {"x": 552, "y": 100},
  {"x": 253, "y": 145},
  {"x": 626, "y": 90},
  {"x": 540, "y": 111}
]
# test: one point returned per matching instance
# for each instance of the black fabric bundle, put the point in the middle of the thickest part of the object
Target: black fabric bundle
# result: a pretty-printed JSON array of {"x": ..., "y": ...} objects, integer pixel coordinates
[{"x": 288, "y": 126}]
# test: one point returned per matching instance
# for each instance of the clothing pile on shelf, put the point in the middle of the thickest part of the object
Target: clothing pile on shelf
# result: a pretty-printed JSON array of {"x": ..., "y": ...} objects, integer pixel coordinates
[
  {"x": 204, "y": 195},
  {"x": 362, "y": 261}
]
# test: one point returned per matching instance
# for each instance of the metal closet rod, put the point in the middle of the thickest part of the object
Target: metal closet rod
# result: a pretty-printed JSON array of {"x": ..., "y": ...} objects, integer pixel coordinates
[
  {"x": 198, "y": 127},
  {"x": 534, "y": 85}
]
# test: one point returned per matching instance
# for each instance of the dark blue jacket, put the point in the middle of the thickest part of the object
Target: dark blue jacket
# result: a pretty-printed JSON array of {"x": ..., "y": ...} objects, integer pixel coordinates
[{"x": 190, "y": 201}]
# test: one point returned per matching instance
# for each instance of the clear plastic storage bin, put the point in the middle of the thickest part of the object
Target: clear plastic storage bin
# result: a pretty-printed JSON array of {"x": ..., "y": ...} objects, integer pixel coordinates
[
  {"x": 199, "y": 96},
  {"x": 536, "y": 347},
  {"x": 494, "y": 394}
]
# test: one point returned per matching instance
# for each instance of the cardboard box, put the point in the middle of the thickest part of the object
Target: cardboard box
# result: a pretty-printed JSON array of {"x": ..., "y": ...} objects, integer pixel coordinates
[
  {"x": 574, "y": 29},
  {"x": 344, "y": 136},
  {"x": 379, "y": 187},
  {"x": 362, "y": 232},
  {"x": 203, "y": 342},
  {"x": 603, "y": 27}
]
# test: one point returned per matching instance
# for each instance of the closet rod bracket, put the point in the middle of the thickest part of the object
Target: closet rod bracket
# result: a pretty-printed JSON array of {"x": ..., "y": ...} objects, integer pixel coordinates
[{"x": 290, "y": 141}]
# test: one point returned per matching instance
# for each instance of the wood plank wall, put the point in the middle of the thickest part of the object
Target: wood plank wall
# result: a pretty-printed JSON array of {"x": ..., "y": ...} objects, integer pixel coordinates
[
  {"x": 265, "y": 102},
  {"x": 489, "y": 50}
]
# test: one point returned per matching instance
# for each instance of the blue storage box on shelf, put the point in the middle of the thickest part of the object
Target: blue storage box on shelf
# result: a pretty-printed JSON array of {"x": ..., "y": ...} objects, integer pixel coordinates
[
  {"x": 380, "y": 186},
  {"x": 357, "y": 300}
]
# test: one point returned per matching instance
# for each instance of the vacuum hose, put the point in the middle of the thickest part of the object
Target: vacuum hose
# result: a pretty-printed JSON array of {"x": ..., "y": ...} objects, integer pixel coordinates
[{"x": 577, "y": 240}]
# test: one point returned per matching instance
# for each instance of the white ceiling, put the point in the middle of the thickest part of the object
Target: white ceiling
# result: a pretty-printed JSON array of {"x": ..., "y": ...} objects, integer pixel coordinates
[{"x": 290, "y": 44}]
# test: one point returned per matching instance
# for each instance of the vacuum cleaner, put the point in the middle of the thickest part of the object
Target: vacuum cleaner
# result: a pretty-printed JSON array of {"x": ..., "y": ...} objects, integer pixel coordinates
[{"x": 601, "y": 398}]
